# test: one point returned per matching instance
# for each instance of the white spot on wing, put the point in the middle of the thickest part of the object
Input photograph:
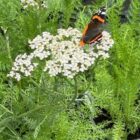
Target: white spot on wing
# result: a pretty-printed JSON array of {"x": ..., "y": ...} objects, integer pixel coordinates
[{"x": 103, "y": 13}]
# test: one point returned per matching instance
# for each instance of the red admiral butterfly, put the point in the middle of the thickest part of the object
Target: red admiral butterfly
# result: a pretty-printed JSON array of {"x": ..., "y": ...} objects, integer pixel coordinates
[{"x": 93, "y": 31}]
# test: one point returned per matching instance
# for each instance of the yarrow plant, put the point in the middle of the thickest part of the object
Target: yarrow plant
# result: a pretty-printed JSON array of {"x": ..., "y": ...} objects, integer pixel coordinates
[
  {"x": 62, "y": 54},
  {"x": 22, "y": 65},
  {"x": 27, "y": 3},
  {"x": 104, "y": 45},
  {"x": 32, "y": 3}
]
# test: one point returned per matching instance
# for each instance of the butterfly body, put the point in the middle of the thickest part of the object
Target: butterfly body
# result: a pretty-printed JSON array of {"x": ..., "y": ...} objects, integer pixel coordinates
[{"x": 93, "y": 31}]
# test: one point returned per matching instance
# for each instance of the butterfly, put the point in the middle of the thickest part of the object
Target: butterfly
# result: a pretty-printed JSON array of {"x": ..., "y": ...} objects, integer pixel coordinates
[{"x": 93, "y": 31}]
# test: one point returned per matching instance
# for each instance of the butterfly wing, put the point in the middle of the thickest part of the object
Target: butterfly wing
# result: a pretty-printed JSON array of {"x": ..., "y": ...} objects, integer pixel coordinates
[{"x": 92, "y": 31}]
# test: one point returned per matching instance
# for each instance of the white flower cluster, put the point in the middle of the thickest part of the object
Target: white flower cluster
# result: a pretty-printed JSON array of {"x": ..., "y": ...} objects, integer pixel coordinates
[
  {"x": 27, "y": 3},
  {"x": 32, "y": 3},
  {"x": 62, "y": 54},
  {"x": 44, "y": 4},
  {"x": 68, "y": 60},
  {"x": 105, "y": 44},
  {"x": 22, "y": 66}
]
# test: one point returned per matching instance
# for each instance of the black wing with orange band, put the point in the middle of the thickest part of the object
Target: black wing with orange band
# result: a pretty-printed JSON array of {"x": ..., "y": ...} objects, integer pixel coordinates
[{"x": 93, "y": 31}]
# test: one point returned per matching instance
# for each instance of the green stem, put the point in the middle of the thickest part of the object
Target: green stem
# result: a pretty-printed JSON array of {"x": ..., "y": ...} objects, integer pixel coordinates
[
  {"x": 76, "y": 90},
  {"x": 30, "y": 111},
  {"x": 39, "y": 87},
  {"x": 92, "y": 75},
  {"x": 39, "y": 23},
  {"x": 8, "y": 47},
  {"x": 55, "y": 83}
]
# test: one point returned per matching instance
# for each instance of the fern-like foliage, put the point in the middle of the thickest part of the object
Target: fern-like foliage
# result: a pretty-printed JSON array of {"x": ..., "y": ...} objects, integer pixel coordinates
[
  {"x": 43, "y": 108},
  {"x": 118, "y": 131},
  {"x": 123, "y": 69}
]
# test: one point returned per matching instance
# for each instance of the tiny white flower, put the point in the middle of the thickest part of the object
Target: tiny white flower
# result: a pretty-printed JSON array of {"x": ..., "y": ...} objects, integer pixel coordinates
[
  {"x": 11, "y": 74},
  {"x": 17, "y": 76},
  {"x": 27, "y": 73}
]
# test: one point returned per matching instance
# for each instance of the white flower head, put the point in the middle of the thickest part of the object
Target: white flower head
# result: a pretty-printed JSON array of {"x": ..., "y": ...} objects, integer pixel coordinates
[
  {"x": 22, "y": 66},
  {"x": 28, "y": 3},
  {"x": 62, "y": 53}
]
